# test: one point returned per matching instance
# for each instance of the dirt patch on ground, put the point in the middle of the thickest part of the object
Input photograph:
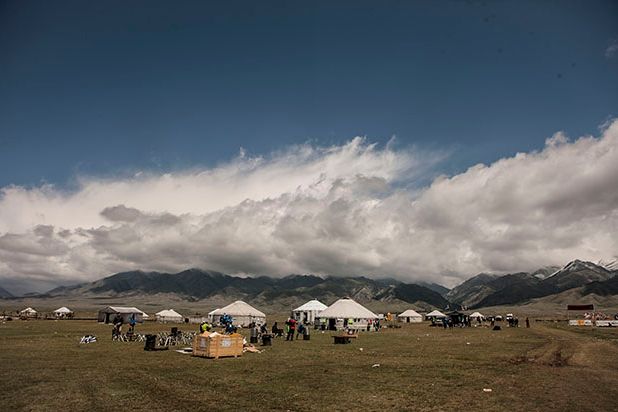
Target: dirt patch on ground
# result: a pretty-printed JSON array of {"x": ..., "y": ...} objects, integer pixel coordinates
[
  {"x": 565, "y": 348},
  {"x": 553, "y": 353}
]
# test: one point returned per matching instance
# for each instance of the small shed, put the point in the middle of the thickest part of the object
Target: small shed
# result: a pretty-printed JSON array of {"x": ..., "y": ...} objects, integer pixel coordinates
[
  {"x": 107, "y": 314},
  {"x": 308, "y": 312},
  {"x": 169, "y": 315},
  {"x": 63, "y": 312},
  {"x": 410, "y": 316}
]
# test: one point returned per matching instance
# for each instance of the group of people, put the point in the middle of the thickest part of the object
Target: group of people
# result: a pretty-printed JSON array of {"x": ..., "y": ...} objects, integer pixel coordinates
[
  {"x": 118, "y": 321},
  {"x": 225, "y": 320},
  {"x": 291, "y": 327}
]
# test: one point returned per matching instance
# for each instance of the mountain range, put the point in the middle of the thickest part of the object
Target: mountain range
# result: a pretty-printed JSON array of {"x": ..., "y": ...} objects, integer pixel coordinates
[
  {"x": 196, "y": 284},
  {"x": 482, "y": 290},
  {"x": 492, "y": 290},
  {"x": 5, "y": 293}
]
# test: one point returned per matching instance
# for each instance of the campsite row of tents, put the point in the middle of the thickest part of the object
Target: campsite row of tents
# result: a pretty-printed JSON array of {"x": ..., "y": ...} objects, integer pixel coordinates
[
  {"x": 59, "y": 313},
  {"x": 343, "y": 312}
]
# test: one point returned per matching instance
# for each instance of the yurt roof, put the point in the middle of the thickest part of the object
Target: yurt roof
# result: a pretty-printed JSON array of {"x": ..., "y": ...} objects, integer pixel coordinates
[
  {"x": 238, "y": 308},
  {"x": 477, "y": 315},
  {"x": 28, "y": 309},
  {"x": 410, "y": 313},
  {"x": 436, "y": 313},
  {"x": 63, "y": 309},
  {"x": 126, "y": 309},
  {"x": 169, "y": 313},
  {"x": 311, "y": 305},
  {"x": 347, "y": 308}
]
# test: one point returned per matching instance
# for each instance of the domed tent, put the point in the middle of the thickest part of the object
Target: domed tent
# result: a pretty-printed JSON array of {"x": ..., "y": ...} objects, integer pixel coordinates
[
  {"x": 28, "y": 313},
  {"x": 436, "y": 314},
  {"x": 410, "y": 316},
  {"x": 212, "y": 315},
  {"x": 169, "y": 315},
  {"x": 63, "y": 312},
  {"x": 346, "y": 313},
  {"x": 308, "y": 312},
  {"x": 477, "y": 316},
  {"x": 242, "y": 313}
]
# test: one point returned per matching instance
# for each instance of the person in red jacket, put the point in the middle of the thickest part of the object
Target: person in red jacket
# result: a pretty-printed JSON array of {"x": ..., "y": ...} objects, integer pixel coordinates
[{"x": 291, "y": 328}]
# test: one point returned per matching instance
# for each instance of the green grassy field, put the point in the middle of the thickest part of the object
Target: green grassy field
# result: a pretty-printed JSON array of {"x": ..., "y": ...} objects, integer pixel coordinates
[{"x": 546, "y": 367}]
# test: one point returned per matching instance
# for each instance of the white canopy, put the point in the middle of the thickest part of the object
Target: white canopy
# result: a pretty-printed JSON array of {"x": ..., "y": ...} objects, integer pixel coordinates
[
  {"x": 477, "y": 315},
  {"x": 28, "y": 310},
  {"x": 238, "y": 308},
  {"x": 169, "y": 313},
  {"x": 435, "y": 314},
  {"x": 311, "y": 305},
  {"x": 347, "y": 308},
  {"x": 410, "y": 313},
  {"x": 63, "y": 310}
]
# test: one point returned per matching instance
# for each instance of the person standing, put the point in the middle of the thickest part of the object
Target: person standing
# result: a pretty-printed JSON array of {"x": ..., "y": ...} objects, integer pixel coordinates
[
  {"x": 291, "y": 326},
  {"x": 527, "y": 322},
  {"x": 117, "y": 330},
  {"x": 301, "y": 330}
]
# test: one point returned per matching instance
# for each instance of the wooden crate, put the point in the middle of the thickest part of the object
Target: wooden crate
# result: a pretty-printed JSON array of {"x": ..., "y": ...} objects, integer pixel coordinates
[{"x": 217, "y": 346}]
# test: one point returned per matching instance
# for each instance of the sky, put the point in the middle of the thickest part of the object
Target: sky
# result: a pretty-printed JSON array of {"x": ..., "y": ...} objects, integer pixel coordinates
[{"x": 418, "y": 140}]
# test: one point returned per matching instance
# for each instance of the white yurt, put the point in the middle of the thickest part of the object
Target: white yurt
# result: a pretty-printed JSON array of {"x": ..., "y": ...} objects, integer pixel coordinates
[
  {"x": 28, "y": 313},
  {"x": 169, "y": 315},
  {"x": 63, "y": 312},
  {"x": 308, "y": 312},
  {"x": 478, "y": 316},
  {"x": 436, "y": 314},
  {"x": 346, "y": 313},
  {"x": 242, "y": 314},
  {"x": 410, "y": 316},
  {"x": 212, "y": 316}
]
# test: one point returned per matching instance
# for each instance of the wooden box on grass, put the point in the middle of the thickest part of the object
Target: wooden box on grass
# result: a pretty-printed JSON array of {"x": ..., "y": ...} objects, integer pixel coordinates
[{"x": 216, "y": 346}]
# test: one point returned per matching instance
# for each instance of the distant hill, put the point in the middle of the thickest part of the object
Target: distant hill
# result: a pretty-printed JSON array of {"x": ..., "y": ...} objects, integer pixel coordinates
[
  {"x": 5, "y": 293},
  {"x": 602, "y": 288},
  {"x": 482, "y": 290},
  {"x": 196, "y": 284},
  {"x": 493, "y": 290},
  {"x": 472, "y": 290},
  {"x": 435, "y": 287},
  {"x": 577, "y": 273}
]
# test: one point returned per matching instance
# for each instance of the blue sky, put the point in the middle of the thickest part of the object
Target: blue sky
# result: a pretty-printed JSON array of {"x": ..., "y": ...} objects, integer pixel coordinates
[
  {"x": 122, "y": 123},
  {"x": 101, "y": 88}
]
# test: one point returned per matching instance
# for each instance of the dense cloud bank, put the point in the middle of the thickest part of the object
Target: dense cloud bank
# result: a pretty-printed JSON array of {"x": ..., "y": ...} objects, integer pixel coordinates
[{"x": 344, "y": 210}]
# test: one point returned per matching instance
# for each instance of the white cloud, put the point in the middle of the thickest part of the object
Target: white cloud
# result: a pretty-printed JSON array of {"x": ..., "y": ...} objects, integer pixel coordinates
[
  {"x": 340, "y": 210},
  {"x": 612, "y": 49}
]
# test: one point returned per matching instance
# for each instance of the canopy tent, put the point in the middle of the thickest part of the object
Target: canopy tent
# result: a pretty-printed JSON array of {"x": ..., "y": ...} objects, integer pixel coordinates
[
  {"x": 308, "y": 312},
  {"x": 436, "y": 314},
  {"x": 457, "y": 317},
  {"x": 346, "y": 313},
  {"x": 169, "y": 315},
  {"x": 28, "y": 312},
  {"x": 242, "y": 314},
  {"x": 410, "y": 316},
  {"x": 63, "y": 312},
  {"x": 107, "y": 314}
]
